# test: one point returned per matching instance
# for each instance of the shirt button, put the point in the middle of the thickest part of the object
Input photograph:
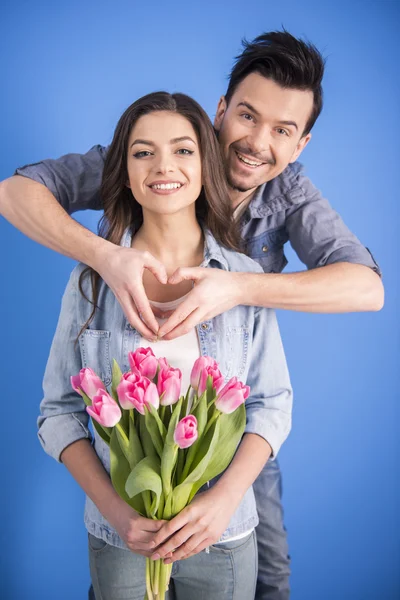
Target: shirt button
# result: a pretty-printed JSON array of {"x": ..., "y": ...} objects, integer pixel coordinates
[
  {"x": 265, "y": 248},
  {"x": 204, "y": 326}
]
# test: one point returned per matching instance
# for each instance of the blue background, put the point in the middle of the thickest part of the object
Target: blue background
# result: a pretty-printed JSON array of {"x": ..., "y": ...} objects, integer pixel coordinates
[{"x": 67, "y": 72}]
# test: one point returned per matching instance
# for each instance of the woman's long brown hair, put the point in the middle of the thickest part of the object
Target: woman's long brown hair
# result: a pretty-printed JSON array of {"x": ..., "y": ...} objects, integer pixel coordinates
[{"x": 121, "y": 210}]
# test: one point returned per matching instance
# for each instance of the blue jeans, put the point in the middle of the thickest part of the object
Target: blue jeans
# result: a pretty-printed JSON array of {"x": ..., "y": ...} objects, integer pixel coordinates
[
  {"x": 273, "y": 558},
  {"x": 227, "y": 572}
]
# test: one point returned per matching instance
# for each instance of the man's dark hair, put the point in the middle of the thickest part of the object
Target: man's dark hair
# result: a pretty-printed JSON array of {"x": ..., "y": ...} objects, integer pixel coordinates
[{"x": 290, "y": 62}]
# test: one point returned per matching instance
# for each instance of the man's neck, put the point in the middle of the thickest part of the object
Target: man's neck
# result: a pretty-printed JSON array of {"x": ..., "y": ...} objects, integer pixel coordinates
[{"x": 237, "y": 197}]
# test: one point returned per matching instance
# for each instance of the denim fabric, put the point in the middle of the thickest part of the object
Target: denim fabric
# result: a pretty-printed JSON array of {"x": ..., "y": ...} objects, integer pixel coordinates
[
  {"x": 227, "y": 572},
  {"x": 287, "y": 208},
  {"x": 245, "y": 341}
]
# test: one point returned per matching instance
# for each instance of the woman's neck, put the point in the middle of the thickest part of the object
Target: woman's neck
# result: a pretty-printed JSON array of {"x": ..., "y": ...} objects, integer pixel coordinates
[{"x": 175, "y": 242}]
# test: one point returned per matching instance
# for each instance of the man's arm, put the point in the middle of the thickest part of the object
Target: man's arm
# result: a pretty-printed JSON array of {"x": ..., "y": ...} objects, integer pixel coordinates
[{"x": 38, "y": 204}]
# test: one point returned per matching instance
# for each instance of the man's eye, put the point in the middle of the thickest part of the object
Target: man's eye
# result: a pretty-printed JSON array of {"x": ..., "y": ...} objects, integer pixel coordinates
[
  {"x": 142, "y": 154},
  {"x": 185, "y": 151},
  {"x": 247, "y": 116},
  {"x": 282, "y": 131}
]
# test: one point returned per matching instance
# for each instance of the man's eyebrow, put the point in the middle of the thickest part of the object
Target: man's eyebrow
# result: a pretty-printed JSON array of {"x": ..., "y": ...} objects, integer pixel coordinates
[
  {"x": 253, "y": 110},
  {"x": 289, "y": 124},
  {"x": 173, "y": 141},
  {"x": 250, "y": 107}
]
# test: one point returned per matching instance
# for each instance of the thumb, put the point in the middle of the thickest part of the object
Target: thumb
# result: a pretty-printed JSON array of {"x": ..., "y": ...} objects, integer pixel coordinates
[{"x": 157, "y": 268}]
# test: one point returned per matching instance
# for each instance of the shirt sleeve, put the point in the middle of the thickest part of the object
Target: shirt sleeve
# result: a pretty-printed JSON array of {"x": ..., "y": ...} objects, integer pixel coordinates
[
  {"x": 63, "y": 418},
  {"x": 318, "y": 234},
  {"x": 269, "y": 406},
  {"x": 74, "y": 179}
]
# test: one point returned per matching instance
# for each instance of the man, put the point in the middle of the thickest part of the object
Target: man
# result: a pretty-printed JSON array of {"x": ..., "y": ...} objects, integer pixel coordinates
[{"x": 263, "y": 123}]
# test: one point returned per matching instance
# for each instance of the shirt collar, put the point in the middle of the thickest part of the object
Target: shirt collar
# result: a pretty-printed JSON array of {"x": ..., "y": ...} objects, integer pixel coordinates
[{"x": 212, "y": 249}]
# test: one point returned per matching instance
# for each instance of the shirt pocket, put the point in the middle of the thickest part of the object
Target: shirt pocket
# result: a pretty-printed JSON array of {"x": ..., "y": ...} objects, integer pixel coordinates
[
  {"x": 237, "y": 347},
  {"x": 267, "y": 250},
  {"x": 95, "y": 353}
]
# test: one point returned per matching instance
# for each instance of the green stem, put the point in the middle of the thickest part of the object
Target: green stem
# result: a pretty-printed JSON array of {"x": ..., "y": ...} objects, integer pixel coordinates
[
  {"x": 149, "y": 592},
  {"x": 212, "y": 421},
  {"x": 162, "y": 413},
  {"x": 123, "y": 434},
  {"x": 156, "y": 581}
]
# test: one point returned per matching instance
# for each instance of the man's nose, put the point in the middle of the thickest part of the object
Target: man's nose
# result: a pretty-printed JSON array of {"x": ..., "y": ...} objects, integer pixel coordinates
[{"x": 260, "y": 140}]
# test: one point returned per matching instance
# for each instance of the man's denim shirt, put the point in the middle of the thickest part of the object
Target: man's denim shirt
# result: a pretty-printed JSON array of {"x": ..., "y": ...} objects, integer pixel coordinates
[
  {"x": 288, "y": 208},
  {"x": 244, "y": 340}
]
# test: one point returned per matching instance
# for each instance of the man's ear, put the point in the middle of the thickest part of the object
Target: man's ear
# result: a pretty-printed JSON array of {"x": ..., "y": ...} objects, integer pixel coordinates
[
  {"x": 300, "y": 147},
  {"x": 221, "y": 110}
]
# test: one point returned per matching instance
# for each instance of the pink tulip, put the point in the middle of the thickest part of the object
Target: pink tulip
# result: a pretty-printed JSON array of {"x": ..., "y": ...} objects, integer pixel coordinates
[
  {"x": 88, "y": 381},
  {"x": 125, "y": 389},
  {"x": 200, "y": 364},
  {"x": 216, "y": 376},
  {"x": 169, "y": 385},
  {"x": 232, "y": 395},
  {"x": 143, "y": 361},
  {"x": 185, "y": 433},
  {"x": 163, "y": 363},
  {"x": 104, "y": 409},
  {"x": 141, "y": 394}
]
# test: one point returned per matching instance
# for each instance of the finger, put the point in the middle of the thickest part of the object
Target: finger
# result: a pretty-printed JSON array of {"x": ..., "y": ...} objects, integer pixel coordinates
[
  {"x": 152, "y": 525},
  {"x": 185, "y": 326},
  {"x": 171, "y": 527},
  {"x": 201, "y": 546},
  {"x": 186, "y": 549},
  {"x": 181, "y": 313},
  {"x": 133, "y": 317},
  {"x": 139, "y": 299},
  {"x": 184, "y": 274},
  {"x": 175, "y": 542},
  {"x": 156, "y": 267}
]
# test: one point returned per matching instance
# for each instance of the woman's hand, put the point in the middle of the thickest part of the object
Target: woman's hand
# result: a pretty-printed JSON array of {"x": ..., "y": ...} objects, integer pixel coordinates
[
  {"x": 199, "y": 525},
  {"x": 136, "y": 531}
]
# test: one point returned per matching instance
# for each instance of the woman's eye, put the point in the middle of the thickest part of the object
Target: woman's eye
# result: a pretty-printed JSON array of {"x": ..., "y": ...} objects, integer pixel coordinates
[
  {"x": 142, "y": 154},
  {"x": 185, "y": 151}
]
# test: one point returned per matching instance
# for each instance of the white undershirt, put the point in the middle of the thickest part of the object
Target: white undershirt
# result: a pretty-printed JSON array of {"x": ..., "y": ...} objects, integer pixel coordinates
[{"x": 181, "y": 353}]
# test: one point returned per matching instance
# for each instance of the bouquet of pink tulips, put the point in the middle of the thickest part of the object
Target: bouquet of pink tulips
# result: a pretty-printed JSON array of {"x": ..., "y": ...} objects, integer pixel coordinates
[{"x": 164, "y": 446}]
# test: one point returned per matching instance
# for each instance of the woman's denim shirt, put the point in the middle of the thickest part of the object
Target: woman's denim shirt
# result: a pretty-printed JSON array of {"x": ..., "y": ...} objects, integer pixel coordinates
[{"x": 244, "y": 340}]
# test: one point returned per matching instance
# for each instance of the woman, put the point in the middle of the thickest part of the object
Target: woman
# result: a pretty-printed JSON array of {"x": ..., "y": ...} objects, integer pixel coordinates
[{"x": 164, "y": 191}]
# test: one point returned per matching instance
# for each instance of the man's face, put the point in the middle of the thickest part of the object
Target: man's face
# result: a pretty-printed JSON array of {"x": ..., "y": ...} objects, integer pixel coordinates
[{"x": 260, "y": 131}]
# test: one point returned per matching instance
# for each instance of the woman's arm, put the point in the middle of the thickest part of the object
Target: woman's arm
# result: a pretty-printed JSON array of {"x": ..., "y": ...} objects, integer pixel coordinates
[
  {"x": 84, "y": 465},
  {"x": 203, "y": 522}
]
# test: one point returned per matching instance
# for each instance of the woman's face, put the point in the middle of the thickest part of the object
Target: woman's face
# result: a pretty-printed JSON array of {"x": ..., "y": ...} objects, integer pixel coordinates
[{"x": 164, "y": 163}]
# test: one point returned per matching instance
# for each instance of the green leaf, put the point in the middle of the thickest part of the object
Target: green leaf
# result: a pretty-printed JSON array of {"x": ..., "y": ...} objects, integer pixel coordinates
[
  {"x": 170, "y": 449},
  {"x": 146, "y": 476},
  {"x": 153, "y": 430},
  {"x": 230, "y": 433},
  {"x": 209, "y": 447},
  {"x": 145, "y": 437},
  {"x": 119, "y": 472},
  {"x": 200, "y": 412},
  {"x": 161, "y": 427}
]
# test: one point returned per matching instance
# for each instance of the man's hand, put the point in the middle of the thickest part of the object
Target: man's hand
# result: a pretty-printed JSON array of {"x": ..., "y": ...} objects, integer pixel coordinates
[
  {"x": 122, "y": 270},
  {"x": 215, "y": 291},
  {"x": 199, "y": 525}
]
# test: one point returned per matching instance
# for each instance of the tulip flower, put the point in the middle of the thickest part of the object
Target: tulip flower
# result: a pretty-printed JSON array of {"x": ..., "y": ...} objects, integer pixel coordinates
[
  {"x": 141, "y": 394},
  {"x": 216, "y": 376},
  {"x": 104, "y": 409},
  {"x": 143, "y": 361},
  {"x": 200, "y": 364},
  {"x": 125, "y": 388},
  {"x": 169, "y": 385},
  {"x": 163, "y": 363},
  {"x": 88, "y": 381},
  {"x": 186, "y": 432},
  {"x": 232, "y": 395}
]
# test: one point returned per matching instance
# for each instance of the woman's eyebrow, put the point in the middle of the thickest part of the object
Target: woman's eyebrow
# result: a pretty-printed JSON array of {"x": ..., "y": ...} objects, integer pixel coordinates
[{"x": 145, "y": 142}]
